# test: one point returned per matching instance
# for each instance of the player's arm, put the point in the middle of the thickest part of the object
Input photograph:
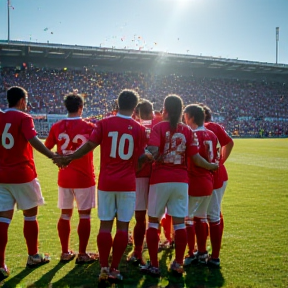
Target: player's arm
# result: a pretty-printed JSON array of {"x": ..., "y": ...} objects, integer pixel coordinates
[
  {"x": 201, "y": 162},
  {"x": 153, "y": 150},
  {"x": 226, "y": 151},
  {"x": 40, "y": 147},
  {"x": 146, "y": 157},
  {"x": 63, "y": 161}
]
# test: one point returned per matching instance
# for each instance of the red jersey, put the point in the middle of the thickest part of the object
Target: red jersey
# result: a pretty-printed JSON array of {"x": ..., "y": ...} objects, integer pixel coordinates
[
  {"x": 174, "y": 148},
  {"x": 70, "y": 134},
  {"x": 122, "y": 140},
  {"x": 147, "y": 168},
  {"x": 221, "y": 174},
  {"x": 16, "y": 154},
  {"x": 201, "y": 180}
]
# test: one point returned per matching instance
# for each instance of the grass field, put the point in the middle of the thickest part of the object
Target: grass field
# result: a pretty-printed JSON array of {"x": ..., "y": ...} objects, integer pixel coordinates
[{"x": 255, "y": 243}]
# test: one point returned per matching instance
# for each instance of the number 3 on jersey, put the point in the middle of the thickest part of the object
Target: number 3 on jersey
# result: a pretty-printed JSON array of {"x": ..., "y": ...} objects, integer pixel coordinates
[
  {"x": 121, "y": 152},
  {"x": 7, "y": 136}
]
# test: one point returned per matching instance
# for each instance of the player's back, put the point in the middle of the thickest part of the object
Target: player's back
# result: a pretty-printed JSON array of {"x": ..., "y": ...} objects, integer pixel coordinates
[
  {"x": 174, "y": 147},
  {"x": 70, "y": 134},
  {"x": 223, "y": 138},
  {"x": 147, "y": 167},
  {"x": 122, "y": 141},
  {"x": 16, "y": 153},
  {"x": 201, "y": 180},
  {"x": 208, "y": 149}
]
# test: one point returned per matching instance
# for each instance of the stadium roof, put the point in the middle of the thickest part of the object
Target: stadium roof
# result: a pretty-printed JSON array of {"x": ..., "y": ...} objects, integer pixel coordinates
[{"x": 99, "y": 56}]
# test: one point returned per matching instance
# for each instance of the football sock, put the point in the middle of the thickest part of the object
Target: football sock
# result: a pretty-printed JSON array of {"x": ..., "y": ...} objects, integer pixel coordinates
[
  {"x": 221, "y": 223},
  {"x": 190, "y": 229},
  {"x": 201, "y": 231},
  {"x": 152, "y": 238},
  {"x": 180, "y": 242},
  {"x": 104, "y": 242},
  {"x": 166, "y": 223},
  {"x": 31, "y": 230},
  {"x": 4, "y": 225},
  {"x": 138, "y": 235},
  {"x": 84, "y": 228},
  {"x": 215, "y": 238},
  {"x": 64, "y": 232},
  {"x": 119, "y": 245}
]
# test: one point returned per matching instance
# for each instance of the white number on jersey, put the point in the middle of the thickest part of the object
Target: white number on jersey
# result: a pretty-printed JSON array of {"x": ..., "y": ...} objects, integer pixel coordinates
[
  {"x": 7, "y": 136},
  {"x": 174, "y": 150},
  {"x": 124, "y": 137},
  {"x": 67, "y": 140}
]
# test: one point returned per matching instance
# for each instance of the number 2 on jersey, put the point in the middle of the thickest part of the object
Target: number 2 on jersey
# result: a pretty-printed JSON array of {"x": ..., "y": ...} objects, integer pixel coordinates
[{"x": 65, "y": 136}]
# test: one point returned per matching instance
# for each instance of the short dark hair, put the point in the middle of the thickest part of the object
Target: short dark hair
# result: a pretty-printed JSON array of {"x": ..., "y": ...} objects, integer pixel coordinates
[
  {"x": 196, "y": 111},
  {"x": 173, "y": 105},
  {"x": 14, "y": 94},
  {"x": 207, "y": 112},
  {"x": 73, "y": 102},
  {"x": 145, "y": 108},
  {"x": 128, "y": 100}
]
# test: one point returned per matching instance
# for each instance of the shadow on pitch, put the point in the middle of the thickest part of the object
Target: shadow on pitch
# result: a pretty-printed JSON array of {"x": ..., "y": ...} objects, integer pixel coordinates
[
  {"x": 199, "y": 275},
  {"x": 14, "y": 281}
]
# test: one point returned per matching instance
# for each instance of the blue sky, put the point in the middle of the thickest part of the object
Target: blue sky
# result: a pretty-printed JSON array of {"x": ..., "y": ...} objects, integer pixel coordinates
[{"x": 243, "y": 29}]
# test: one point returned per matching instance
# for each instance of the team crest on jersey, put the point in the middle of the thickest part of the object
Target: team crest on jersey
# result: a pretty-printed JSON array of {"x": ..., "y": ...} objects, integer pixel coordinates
[{"x": 130, "y": 127}]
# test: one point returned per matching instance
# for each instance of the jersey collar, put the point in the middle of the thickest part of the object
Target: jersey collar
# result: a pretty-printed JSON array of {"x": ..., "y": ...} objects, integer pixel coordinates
[
  {"x": 73, "y": 118},
  {"x": 123, "y": 116}
]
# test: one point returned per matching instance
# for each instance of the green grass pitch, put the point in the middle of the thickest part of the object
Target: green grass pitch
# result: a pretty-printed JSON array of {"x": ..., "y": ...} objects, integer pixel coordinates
[{"x": 255, "y": 243}]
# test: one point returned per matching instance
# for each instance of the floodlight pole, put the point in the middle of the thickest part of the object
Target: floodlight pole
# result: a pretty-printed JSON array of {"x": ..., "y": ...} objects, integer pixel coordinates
[
  {"x": 277, "y": 40},
  {"x": 8, "y": 9}
]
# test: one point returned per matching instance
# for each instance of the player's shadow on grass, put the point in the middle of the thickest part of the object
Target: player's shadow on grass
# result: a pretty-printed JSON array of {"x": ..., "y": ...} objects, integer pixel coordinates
[
  {"x": 198, "y": 276},
  {"x": 85, "y": 275},
  {"x": 14, "y": 281},
  {"x": 46, "y": 278}
]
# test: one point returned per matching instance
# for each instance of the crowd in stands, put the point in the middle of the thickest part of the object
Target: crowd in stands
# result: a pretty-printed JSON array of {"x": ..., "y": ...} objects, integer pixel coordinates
[{"x": 243, "y": 107}]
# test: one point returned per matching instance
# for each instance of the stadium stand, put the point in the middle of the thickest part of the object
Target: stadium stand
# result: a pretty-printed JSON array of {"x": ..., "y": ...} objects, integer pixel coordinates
[{"x": 247, "y": 103}]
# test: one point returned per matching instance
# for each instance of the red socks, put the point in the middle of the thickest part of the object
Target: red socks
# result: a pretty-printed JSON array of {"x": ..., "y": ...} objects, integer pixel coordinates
[
  {"x": 3, "y": 241},
  {"x": 31, "y": 230},
  {"x": 215, "y": 238},
  {"x": 201, "y": 230},
  {"x": 180, "y": 243},
  {"x": 64, "y": 234},
  {"x": 84, "y": 228},
  {"x": 152, "y": 239},
  {"x": 138, "y": 235},
  {"x": 191, "y": 238},
  {"x": 119, "y": 245},
  {"x": 166, "y": 223},
  {"x": 104, "y": 242}
]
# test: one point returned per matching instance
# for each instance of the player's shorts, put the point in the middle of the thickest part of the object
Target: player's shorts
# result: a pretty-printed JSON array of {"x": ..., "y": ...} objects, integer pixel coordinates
[
  {"x": 173, "y": 195},
  {"x": 142, "y": 189},
  {"x": 24, "y": 195},
  {"x": 84, "y": 197},
  {"x": 198, "y": 206},
  {"x": 214, "y": 207},
  {"x": 116, "y": 204}
]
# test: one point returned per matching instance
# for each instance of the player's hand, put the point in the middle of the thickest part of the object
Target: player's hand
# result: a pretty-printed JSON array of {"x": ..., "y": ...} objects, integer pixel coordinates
[
  {"x": 214, "y": 166},
  {"x": 62, "y": 161}
]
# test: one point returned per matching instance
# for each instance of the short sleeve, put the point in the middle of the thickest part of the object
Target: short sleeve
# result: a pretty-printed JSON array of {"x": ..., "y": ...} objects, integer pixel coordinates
[
  {"x": 155, "y": 137},
  {"x": 192, "y": 143},
  {"x": 223, "y": 137},
  {"x": 97, "y": 133},
  {"x": 27, "y": 128},
  {"x": 51, "y": 140}
]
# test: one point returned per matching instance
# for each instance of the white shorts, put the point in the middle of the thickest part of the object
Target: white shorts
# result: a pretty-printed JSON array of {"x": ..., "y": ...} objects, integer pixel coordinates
[
  {"x": 173, "y": 195},
  {"x": 116, "y": 204},
  {"x": 25, "y": 195},
  {"x": 214, "y": 207},
  {"x": 198, "y": 206},
  {"x": 142, "y": 189},
  {"x": 84, "y": 197}
]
